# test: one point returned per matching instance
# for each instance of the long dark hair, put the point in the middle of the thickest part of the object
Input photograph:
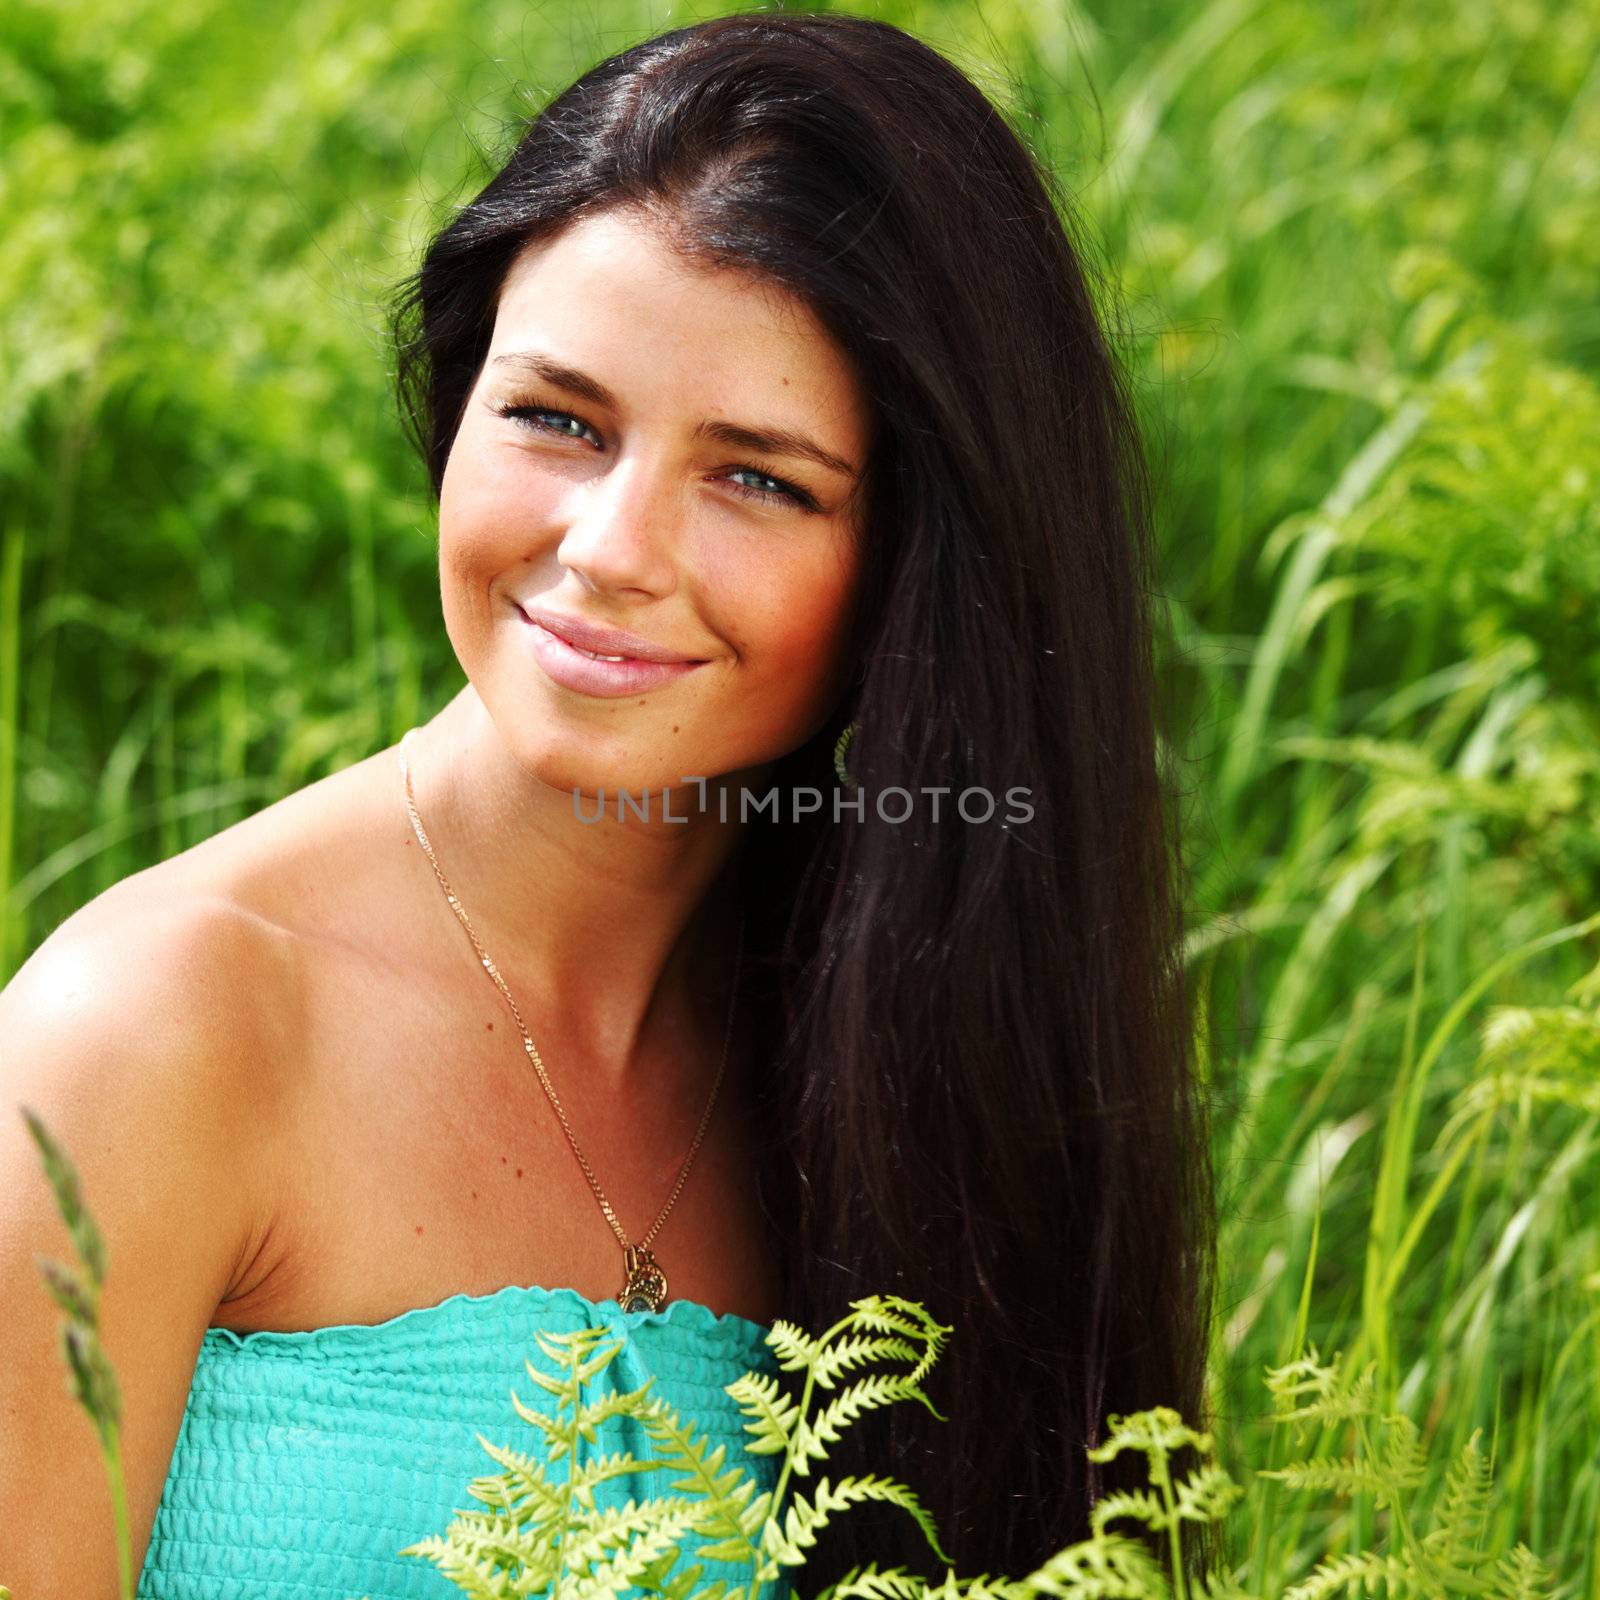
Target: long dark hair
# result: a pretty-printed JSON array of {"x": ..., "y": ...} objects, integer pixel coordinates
[{"x": 975, "y": 1072}]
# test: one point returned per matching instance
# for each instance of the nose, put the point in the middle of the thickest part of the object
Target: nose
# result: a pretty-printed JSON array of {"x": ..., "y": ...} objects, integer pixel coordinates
[{"x": 623, "y": 531}]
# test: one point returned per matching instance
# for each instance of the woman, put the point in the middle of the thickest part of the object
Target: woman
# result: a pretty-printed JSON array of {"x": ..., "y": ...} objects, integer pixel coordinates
[{"x": 765, "y": 402}]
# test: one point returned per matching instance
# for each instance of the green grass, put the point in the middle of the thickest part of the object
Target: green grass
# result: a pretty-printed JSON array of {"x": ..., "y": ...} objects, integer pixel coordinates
[{"x": 1357, "y": 247}]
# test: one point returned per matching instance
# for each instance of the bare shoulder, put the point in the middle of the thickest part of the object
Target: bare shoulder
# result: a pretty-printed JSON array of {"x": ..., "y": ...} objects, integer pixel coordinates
[
  {"x": 162, "y": 963},
  {"x": 147, "y": 1034},
  {"x": 169, "y": 1008}
]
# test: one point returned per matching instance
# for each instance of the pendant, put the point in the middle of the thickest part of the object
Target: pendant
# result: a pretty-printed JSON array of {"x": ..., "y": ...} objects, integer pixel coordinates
[{"x": 646, "y": 1285}]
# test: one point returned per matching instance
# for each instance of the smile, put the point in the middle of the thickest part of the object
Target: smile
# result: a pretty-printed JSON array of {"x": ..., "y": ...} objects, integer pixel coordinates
[{"x": 605, "y": 677}]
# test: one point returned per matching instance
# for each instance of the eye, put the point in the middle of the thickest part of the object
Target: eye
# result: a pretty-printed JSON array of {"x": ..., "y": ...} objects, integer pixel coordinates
[
  {"x": 782, "y": 490},
  {"x": 528, "y": 417},
  {"x": 567, "y": 426}
]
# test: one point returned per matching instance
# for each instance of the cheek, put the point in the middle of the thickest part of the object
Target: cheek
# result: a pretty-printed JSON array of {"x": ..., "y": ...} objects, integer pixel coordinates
[
  {"x": 789, "y": 621},
  {"x": 486, "y": 510}
]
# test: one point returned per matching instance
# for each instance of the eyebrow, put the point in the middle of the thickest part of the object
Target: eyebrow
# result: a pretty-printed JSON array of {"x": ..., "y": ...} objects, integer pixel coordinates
[{"x": 773, "y": 441}]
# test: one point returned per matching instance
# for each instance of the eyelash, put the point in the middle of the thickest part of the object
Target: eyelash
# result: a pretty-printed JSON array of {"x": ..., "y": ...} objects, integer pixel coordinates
[{"x": 788, "y": 493}]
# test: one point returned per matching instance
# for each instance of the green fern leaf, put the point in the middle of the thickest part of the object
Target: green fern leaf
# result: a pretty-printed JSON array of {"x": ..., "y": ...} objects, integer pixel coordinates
[
  {"x": 983, "y": 1587},
  {"x": 1219, "y": 1586},
  {"x": 772, "y": 1411},
  {"x": 1143, "y": 1505},
  {"x": 557, "y": 1386},
  {"x": 847, "y": 1353},
  {"x": 1521, "y": 1575},
  {"x": 868, "y": 1583},
  {"x": 1207, "y": 1495},
  {"x": 611, "y": 1578},
  {"x": 1107, "y": 1568},
  {"x": 1405, "y": 1459},
  {"x": 1361, "y": 1572},
  {"x": 729, "y": 1521},
  {"x": 551, "y": 1427},
  {"x": 684, "y": 1585},
  {"x": 1327, "y": 1391},
  {"x": 892, "y": 1314},
  {"x": 803, "y": 1517},
  {"x": 594, "y": 1413},
  {"x": 523, "y": 1477},
  {"x": 654, "y": 1578},
  {"x": 794, "y": 1349},
  {"x": 866, "y": 1394},
  {"x": 744, "y": 1542},
  {"x": 589, "y": 1475},
  {"x": 478, "y": 1580},
  {"x": 1157, "y": 1432},
  {"x": 1462, "y": 1518},
  {"x": 1339, "y": 1476},
  {"x": 615, "y": 1528}
]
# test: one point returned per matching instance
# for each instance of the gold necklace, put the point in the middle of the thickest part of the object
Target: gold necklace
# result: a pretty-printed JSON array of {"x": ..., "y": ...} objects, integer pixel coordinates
[{"x": 644, "y": 1285}]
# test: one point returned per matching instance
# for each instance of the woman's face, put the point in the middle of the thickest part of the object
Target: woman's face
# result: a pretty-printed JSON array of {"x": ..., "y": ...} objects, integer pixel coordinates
[{"x": 607, "y": 473}]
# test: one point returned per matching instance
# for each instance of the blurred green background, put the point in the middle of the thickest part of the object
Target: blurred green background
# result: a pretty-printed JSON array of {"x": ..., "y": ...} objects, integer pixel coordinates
[{"x": 1357, "y": 248}]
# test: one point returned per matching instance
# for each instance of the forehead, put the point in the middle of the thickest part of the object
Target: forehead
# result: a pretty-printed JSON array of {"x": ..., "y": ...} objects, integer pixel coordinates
[{"x": 610, "y": 295}]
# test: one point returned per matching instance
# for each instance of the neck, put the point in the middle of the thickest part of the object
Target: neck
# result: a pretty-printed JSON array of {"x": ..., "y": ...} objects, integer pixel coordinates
[{"x": 615, "y": 936}]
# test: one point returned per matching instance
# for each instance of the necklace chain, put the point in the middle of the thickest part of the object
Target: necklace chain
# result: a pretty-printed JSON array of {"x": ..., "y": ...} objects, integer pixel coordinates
[{"x": 638, "y": 1256}]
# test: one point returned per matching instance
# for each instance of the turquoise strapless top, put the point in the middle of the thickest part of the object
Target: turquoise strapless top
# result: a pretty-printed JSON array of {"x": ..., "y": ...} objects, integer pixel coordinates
[{"x": 307, "y": 1460}]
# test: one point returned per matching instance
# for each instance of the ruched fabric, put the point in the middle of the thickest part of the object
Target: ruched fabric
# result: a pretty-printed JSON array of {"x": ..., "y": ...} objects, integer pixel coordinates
[{"x": 307, "y": 1460}]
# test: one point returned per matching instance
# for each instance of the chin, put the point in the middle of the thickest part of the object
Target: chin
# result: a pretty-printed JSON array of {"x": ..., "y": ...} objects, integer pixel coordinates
[{"x": 587, "y": 761}]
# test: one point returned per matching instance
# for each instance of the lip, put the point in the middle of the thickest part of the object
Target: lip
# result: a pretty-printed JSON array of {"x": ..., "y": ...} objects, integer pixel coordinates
[
  {"x": 602, "y": 641},
  {"x": 565, "y": 663}
]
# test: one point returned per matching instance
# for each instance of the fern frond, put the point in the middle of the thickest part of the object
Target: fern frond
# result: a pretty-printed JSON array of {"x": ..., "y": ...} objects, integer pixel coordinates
[
  {"x": 1405, "y": 1459},
  {"x": 523, "y": 1476},
  {"x": 1521, "y": 1575},
  {"x": 688, "y": 1584},
  {"x": 846, "y": 1353},
  {"x": 1141, "y": 1505},
  {"x": 982, "y": 1587},
  {"x": 1107, "y": 1568},
  {"x": 772, "y": 1412},
  {"x": 477, "y": 1530},
  {"x": 653, "y": 1579},
  {"x": 1207, "y": 1495},
  {"x": 1463, "y": 1511},
  {"x": 579, "y": 1352},
  {"x": 889, "y": 1314},
  {"x": 1219, "y": 1586},
  {"x": 794, "y": 1348},
  {"x": 616, "y": 1528},
  {"x": 869, "y": 1583},
  {"x": 741, "y": 1542},
  {"x": 611, "y": 1578},
  {"x": 729, "y": 1520},
  {"x": 1325, "y": 1395},
  {"x": 551, "y": 1427},
  {"x": 1157, "y": 1432},
  {"x": 589, "y": 1416},
  {"x": 478, "y": 1580},
  {"x": 1335, "y": 1474},
  {"x": 1361, "y": 1572},
  {"x": 586, "y": 1476},
  {"x": 804, "y": 1517},
  {"x": 892, "y": 1314},
  {"x": 985, "y": 1587},
  {"x": 866, "y": 1394}
]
